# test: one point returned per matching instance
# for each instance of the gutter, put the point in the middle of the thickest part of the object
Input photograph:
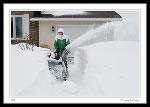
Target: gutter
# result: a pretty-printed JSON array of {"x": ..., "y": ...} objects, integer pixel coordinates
[{"x": 76, "y": 19}]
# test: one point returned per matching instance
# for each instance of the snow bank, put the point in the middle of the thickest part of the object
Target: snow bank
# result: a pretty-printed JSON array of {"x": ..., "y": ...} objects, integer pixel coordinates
[
  {"x": 25, "y": 67},
  {"x": 76, "y": 71},
  {"x": 112, "y": 69},
  {"x": 30, "y": 75},
  {"x": 100, "y": 70}
]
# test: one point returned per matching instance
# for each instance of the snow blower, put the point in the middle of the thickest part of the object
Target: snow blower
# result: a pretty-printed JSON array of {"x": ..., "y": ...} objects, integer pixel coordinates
[{"x": 57, "y": 64}]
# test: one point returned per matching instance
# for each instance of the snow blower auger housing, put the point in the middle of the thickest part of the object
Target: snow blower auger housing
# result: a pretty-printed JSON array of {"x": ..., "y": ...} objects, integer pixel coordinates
[{"x": 57, "y": 64}]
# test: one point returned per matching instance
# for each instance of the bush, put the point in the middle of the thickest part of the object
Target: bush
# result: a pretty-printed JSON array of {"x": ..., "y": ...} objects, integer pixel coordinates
[
  {"x": 25, "y": 43},
  {"x": 25, "y": 46}
]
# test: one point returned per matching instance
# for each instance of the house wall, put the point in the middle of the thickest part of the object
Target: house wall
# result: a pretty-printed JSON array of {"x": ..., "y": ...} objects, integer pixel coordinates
[
  {"x": 34, "y": 31},
  {"x": 47, "y": 36},
  {"x": 33, "y": 26}
]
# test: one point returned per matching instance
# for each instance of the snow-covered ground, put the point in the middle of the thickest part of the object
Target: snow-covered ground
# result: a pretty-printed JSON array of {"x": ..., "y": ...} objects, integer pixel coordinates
[
  {"x": 109, "y": 69},
  {"x": 100, "y": 69}
]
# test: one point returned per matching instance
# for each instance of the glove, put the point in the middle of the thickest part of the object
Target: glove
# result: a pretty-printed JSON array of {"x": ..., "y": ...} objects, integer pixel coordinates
[{"x": 57, "y": 50}]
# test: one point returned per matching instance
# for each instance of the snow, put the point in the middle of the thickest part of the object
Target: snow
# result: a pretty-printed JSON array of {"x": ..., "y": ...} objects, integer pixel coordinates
[
  {"x": 129, "y": 30},
  {"x": 64, "y": 12},
  {"x": 69, "y": 87},
  {"x": 100, "y": 69},
  {"x": 25, "y": 67},
  {"x": 126, "y": 30},
  {"x": 112, "y": 68},
  {"x": 93, "y": 35},
  {"x": 30, "y": 75}
]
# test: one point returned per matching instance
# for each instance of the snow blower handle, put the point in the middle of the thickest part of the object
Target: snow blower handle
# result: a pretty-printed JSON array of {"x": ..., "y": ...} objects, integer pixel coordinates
[{"x": 62, "y": 50}]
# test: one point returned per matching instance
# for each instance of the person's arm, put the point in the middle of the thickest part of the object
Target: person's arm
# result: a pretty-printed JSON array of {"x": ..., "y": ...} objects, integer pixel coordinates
[
  {"x": 67, "y": 41},
  {"x": 55, "y": 43}
]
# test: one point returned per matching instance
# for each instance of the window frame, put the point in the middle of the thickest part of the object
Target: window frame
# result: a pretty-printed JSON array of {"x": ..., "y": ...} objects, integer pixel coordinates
[{"x": 14, "y": 26}]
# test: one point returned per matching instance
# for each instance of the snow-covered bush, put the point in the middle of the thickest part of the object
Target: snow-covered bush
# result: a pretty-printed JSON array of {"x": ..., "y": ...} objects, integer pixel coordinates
[
  {"x": 26, "y": 43},
  {"x": 25, "y": 46}
]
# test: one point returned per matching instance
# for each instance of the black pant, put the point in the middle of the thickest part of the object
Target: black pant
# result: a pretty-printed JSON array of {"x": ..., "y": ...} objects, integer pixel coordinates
[{"x": 58, "y": 55}]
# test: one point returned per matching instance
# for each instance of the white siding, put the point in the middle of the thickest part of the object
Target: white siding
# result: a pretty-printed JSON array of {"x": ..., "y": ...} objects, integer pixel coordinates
[{"x": 25, "y": 19}]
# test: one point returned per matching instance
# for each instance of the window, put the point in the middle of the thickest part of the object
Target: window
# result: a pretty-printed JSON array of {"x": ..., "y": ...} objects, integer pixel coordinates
[
  {"x": 19, "y": 26},
  {"x": 16, "y": 27}
]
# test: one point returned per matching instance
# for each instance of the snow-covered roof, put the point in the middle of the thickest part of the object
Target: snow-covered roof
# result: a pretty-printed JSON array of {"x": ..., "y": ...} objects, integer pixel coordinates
[
  {"x": 67, "y": 12},
  {"x": 77, "y": 15}
]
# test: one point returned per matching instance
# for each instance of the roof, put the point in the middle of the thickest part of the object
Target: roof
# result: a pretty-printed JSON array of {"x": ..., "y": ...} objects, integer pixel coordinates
[{"x": 98, "y": 15}]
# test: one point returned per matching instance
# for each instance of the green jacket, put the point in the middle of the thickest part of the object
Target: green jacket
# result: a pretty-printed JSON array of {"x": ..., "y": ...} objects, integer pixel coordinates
[{"x": 61, "y": 41}]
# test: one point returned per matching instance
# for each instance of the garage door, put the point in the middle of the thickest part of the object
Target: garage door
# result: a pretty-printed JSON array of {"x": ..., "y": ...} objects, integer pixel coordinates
[{"x": 76, "y": 31}]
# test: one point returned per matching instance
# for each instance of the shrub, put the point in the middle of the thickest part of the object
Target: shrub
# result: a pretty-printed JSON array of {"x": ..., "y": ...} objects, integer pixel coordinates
[{"x": 25, "y": 43}]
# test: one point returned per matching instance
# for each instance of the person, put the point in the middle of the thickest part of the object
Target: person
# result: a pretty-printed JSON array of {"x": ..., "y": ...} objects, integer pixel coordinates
[{"x": 61, "y": 41}]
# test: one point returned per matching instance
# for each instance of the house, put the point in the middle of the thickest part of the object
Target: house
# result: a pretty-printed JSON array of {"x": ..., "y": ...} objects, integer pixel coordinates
[
  {"x": 43, "y": 25},
  {"x": 22, "y": 27}
]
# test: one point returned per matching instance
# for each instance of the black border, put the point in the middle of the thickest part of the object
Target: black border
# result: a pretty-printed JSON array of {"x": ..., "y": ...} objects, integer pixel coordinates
[{"x": 147, "y": 2}]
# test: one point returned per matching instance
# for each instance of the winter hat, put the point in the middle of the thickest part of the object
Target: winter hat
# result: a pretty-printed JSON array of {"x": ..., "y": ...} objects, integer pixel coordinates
[{"x": 61, "y": 30}]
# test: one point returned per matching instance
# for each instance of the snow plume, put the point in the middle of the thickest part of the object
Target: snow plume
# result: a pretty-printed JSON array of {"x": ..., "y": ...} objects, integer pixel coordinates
[
  {"x": 92, "y": 36},
  {"x": 125, "y": 30}
]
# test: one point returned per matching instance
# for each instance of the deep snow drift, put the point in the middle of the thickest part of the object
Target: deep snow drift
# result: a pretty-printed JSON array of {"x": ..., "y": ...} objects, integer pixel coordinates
[
  {"x": 101, "y": 69},
  {"x": 109, "y": 69},
  {"x": 30, "y": 75}
]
